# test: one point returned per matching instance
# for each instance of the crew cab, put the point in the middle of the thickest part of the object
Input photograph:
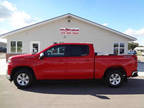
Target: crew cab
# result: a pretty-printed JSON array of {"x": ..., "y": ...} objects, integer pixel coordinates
[{"x": 70, "y": 61}]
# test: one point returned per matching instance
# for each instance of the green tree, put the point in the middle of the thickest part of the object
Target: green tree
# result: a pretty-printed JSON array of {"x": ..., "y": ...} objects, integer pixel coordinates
[{"x": 132, "y": 45}]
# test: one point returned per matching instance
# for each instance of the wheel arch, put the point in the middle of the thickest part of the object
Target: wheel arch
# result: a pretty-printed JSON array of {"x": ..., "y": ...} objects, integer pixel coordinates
[
  {"x": 22, "y": 67},
  {"x": 122, "y": 70}
]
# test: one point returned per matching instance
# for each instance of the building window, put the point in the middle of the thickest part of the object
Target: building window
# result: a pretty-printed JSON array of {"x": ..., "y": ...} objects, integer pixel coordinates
[
  {"x": 16, "y": 46},
  {"x": 19, "y": 46},
  {"x": 119, "y": 48},
  {"x": 13, "y": 46},
  {"x": 116, "y": 48}
]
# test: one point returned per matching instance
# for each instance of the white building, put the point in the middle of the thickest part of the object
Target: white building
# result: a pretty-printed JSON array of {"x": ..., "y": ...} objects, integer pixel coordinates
[{"x": 66, "y": 28}]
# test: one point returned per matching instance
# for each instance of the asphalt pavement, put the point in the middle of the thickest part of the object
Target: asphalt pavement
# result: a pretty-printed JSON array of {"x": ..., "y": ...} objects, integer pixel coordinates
[{"x": 73, "y": 94}]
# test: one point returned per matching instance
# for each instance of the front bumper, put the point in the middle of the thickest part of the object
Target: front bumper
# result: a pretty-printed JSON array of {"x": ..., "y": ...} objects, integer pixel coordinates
[
  {"x": 9, "y": 72},
  {"x": 9, "y": 77},
  {"x": 135, "y": 74}
]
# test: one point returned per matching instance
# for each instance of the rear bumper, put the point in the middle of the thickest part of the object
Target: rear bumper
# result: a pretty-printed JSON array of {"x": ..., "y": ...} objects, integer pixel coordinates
[{"x": 135, "y": 74}]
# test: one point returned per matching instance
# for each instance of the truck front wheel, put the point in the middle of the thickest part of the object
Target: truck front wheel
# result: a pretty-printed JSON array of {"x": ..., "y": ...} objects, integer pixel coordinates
[
  {"x": 23, "y": 78},
  {"x": 114, "y": 78}
]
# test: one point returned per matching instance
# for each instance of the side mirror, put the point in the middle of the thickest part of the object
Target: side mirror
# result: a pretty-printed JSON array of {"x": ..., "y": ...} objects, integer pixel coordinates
[{"x": 41, "y": 56}]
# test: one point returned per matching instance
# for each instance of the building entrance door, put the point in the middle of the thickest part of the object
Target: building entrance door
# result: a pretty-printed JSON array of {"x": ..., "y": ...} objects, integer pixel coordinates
[{"x": 35, "y": 47}]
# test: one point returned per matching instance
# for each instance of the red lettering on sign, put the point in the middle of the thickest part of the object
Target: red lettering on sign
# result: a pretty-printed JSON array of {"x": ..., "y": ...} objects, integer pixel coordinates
[{"x": 69, "y": 31}]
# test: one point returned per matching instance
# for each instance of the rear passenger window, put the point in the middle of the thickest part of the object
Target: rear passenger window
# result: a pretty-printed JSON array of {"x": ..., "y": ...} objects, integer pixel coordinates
[{"x": 78, "y": 50}]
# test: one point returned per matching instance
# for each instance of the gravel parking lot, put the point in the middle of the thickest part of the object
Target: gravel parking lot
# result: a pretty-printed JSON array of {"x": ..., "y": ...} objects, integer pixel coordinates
[{"x": 78, "y": 94}]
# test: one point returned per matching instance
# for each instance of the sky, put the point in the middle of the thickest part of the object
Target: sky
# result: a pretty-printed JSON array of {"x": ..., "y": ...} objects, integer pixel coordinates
[{"x": 126, "y": 16}]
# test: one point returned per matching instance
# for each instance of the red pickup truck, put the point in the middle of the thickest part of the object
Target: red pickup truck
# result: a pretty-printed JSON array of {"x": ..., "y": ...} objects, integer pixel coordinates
[{"x": 67, "y": 61}]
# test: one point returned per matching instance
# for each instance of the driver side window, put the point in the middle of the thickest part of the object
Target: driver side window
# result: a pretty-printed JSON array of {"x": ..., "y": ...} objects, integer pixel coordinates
[{"x": 56, "y": 51}]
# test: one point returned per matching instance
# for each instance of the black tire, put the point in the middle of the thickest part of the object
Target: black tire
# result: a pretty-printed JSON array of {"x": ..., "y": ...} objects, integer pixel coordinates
[
  {"x": 114, "y": 78},
  {"x": 23, "y": 78}
]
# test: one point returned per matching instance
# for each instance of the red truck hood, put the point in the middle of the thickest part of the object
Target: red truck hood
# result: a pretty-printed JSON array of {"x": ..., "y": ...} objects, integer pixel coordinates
[{"x": 23, "y": 56}]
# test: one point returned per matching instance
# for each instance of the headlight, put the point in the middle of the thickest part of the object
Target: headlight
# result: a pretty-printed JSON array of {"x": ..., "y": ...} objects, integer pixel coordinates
[{"x": 9, "y": 60}]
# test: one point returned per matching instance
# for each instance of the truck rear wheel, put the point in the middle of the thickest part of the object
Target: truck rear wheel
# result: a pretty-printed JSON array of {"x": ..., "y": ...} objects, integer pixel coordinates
[
  {"x": 114, "y": 78},
  {"x": 23, "y": 78}
]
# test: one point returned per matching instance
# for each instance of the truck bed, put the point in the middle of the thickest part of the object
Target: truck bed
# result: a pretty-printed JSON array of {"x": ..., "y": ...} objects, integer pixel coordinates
[{"x": 105, "y": 62}]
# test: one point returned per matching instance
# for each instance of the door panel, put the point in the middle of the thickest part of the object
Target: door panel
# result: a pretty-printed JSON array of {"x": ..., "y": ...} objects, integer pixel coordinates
[
  {"x": 79, "y": 68},
  {"x": 53, "y": 65},
  {"x": 79, "y": 63},
  {"x": 51, "y": 68}
]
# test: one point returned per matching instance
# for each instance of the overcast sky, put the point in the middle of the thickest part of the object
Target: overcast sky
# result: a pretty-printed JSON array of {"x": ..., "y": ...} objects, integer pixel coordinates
[{"x": 126, "y": 16}]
